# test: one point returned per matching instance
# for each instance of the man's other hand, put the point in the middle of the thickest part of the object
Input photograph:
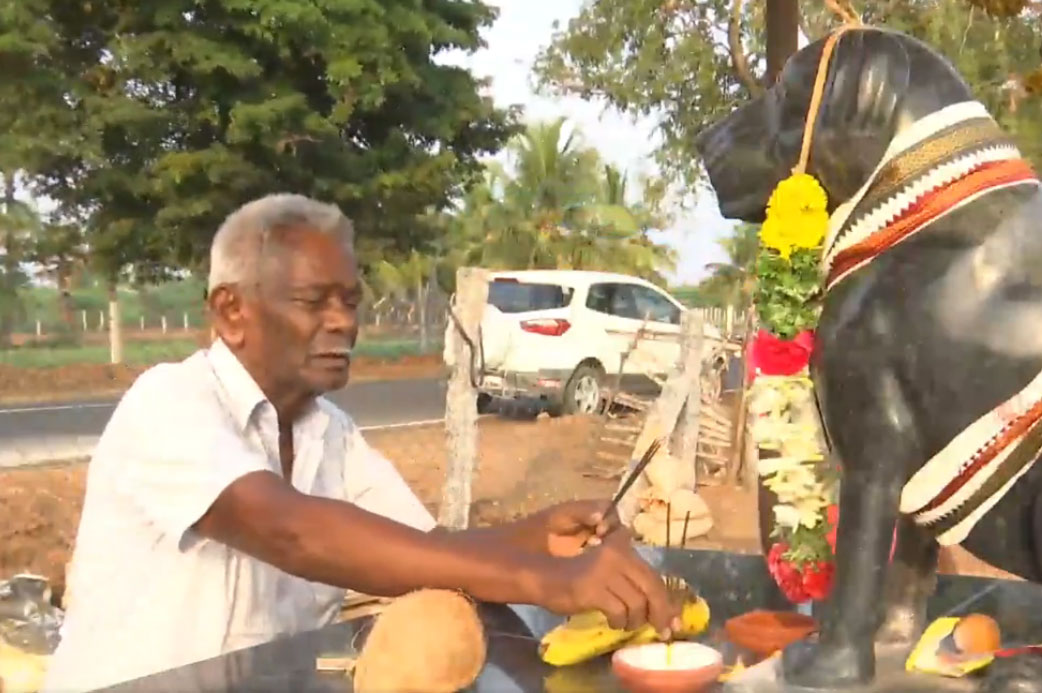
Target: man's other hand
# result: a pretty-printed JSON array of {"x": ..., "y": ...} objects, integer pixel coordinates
[{"x": 573, "y": 525}]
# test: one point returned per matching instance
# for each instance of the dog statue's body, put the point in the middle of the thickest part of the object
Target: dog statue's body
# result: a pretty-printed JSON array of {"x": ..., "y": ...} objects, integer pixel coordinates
[{"x": 911, "y": 348}]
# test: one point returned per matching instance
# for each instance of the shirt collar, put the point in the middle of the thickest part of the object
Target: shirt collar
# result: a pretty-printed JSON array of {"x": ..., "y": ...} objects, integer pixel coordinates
[{"x": 243, "y": 394}]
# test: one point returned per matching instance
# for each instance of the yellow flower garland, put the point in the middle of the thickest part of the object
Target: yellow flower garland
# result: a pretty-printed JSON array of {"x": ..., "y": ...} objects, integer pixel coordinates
[{"x": 797, "y": 215}]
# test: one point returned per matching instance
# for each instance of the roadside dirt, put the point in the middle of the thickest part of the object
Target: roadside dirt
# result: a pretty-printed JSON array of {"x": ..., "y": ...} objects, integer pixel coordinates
[
  {"x": 524, "y": 466},
  {"x": 19, "y": 385}
]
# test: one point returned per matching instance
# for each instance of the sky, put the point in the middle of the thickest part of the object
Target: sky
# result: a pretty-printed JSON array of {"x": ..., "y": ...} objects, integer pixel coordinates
[{"x": 513, "y": 42}]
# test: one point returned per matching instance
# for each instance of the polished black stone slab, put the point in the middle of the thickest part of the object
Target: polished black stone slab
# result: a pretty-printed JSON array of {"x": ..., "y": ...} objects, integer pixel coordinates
[{"x": 732, "y": 584}]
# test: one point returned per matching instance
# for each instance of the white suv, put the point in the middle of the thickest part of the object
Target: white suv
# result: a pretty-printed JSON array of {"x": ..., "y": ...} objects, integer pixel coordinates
[{"x": 558, "y": 335}]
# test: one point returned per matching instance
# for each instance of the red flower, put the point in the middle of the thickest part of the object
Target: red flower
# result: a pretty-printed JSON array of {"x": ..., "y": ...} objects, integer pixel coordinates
[
  {"x": 788, "y": 576},
  {"x": 773, "y": 356},
  {"x": 832, "y": 517},
  {"x": 817, "y": 579}
]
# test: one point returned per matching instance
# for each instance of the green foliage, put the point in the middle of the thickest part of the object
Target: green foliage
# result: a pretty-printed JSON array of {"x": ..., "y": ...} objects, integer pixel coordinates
[
  {"x": 730, "y": 283},
  {"x": 649, "y": 57},
  {"x": 149, "y": 122},
  {"x": 62, "y": 349},
  {"x": 669, "y": 59},
  {"x": 560, "y": 207},
  {"x": 172, "y": 299},
  {"x": 18, "y": 224},
  {"x": 807, "y": 546},
  {"x": 785, "y": 290},
  {"x": 690, "y": 296}
]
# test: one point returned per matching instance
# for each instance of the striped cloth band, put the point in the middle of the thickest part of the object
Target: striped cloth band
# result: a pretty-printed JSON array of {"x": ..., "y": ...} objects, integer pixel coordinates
[{"x": 939, "y": 164}]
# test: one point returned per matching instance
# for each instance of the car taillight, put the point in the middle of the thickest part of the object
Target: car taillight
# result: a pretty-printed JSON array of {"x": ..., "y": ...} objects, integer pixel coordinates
[{"x": 551, "y": 327}]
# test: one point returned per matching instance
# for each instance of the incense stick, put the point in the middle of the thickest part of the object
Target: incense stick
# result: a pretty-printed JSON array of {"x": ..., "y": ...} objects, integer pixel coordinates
[
  {"x": 669, "y": 521},
  {"x": 670, "y": 580},
  {"x": 645, "y": 460}
]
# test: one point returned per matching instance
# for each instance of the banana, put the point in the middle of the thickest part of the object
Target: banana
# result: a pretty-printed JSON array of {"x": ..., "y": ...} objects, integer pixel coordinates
[
  {"x": 587, "y": 635},
  {"x": 580, "y": 638},
  {"x": 694, "y": 618}
]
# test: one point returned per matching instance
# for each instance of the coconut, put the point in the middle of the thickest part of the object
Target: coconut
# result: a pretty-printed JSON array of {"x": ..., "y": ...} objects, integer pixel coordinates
[
  {"x": 667, "y": 473},
  {"x": 977, "y": 634},
  {"x": 679, "y": 503},
  {"x": 428, "y": 641},
  {"x": 653, "y": 530}
]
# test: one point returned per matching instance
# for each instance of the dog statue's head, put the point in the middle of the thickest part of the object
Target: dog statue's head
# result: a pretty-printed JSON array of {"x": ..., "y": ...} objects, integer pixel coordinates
[{"x": 879, "y": 82}]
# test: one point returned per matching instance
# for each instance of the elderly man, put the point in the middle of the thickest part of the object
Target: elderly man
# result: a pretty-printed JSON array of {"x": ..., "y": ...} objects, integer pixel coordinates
[{"x": 228, "y": 503}]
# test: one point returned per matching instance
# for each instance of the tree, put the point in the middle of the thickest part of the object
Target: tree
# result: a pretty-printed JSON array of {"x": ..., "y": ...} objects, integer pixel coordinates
[
  {"x": 155, "y": 120},
  {"x": 18, "y": 227},
  {"x": 410, "y": 277},
  {"x": 560, "y": 206},
  {"x": 60, "y": 252},
  {"x": 690, "y": 62},
  {"x": 732, "y": 283},
  {"x": 672, "y": 59}
]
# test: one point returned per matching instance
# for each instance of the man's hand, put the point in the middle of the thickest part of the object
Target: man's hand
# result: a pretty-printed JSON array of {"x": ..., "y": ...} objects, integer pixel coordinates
[
  {"x": 573, "y": 525},
  {"x": 613, "y": 579}
]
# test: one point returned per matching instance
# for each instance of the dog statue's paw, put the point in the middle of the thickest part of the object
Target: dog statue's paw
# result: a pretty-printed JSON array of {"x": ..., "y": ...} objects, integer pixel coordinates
[
  {"x": 1020, "y": 674},
  {"x": 828, "y": 666},
  {"x": 901, "y": 630}
]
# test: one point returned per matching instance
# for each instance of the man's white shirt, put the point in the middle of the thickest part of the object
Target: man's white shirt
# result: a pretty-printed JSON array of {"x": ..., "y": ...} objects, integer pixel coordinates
[{"x": 146, "y": 592}]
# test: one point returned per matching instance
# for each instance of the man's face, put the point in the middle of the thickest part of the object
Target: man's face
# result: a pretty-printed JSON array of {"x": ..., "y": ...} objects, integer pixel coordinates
[{"x": 300, "y": 323}]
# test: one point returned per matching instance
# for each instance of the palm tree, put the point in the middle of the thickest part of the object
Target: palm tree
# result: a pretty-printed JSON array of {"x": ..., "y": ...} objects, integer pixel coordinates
[
  {"x": 560, "y": 208},
  {"x": 554, "y": 177},
  {"x": 553, "y": 170},
  {"x": 733, "y": 282}
]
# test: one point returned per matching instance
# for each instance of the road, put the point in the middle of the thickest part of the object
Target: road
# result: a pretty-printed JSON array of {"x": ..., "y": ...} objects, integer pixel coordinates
[{"x": 38, "y": 431}]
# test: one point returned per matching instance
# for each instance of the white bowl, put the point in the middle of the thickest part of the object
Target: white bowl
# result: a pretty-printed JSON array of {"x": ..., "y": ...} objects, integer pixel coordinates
[{"x": 667, "y": 668}]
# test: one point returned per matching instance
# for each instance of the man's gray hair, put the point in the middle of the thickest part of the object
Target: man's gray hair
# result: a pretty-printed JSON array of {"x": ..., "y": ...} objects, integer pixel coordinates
[{"x": 238, "y": 247}]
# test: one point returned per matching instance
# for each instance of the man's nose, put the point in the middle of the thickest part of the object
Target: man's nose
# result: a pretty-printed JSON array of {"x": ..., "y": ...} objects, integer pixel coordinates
[{"x": 340, "y": 317}]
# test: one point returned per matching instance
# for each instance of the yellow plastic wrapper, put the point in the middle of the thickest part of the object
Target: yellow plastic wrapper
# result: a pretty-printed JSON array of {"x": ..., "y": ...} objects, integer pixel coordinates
[{"x": 932, "y": 655}]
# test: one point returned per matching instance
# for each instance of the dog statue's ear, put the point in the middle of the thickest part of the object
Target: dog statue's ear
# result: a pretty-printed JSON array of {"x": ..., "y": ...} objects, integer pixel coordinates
[{"x": 869, "y": 80}]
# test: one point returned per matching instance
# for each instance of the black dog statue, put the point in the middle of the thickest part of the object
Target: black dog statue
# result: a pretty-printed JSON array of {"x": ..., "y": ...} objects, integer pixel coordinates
[{"x": 929, "y": 348}]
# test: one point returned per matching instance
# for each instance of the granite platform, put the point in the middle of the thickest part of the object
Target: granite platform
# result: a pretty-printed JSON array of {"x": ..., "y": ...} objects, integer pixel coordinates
[{"x": 731, "y": 583}]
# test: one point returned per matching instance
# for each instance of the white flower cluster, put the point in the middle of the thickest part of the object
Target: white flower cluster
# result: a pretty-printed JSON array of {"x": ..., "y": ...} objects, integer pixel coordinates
[{"x": 785, "y": 420}]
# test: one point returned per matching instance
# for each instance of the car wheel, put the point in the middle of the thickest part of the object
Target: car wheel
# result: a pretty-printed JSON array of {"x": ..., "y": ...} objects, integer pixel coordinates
[
  {"x": 582, "y": 394},
  {"x": 484, "y": 402}
]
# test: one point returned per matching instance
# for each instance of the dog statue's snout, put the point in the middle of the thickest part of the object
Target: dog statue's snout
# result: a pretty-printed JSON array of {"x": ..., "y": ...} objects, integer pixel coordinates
[
  {"x": 708, "y": 142},
  {"x": 739, "y": 162}
]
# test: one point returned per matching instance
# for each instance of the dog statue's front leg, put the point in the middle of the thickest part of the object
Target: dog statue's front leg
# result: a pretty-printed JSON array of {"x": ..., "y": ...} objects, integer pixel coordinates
[
  {"x": 844, "y": 652},
  {"x": 872, "y": 433},
  {"x": 911, "y": 579}
]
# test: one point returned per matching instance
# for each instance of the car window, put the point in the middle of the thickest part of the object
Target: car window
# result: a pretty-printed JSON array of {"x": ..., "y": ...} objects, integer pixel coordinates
[
  {"x": 512, "y": 296},
  {"x": 613, "y": 299},
  {"x": 654, "y": 306}
]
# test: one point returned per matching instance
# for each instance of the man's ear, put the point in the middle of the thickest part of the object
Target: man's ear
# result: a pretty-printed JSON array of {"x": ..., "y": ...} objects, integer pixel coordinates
[{"x": 227, "y": 310}]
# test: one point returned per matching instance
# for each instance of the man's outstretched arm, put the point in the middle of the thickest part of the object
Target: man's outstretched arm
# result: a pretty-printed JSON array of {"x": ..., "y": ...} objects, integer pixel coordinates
[{"x": 337, "y": 543}]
